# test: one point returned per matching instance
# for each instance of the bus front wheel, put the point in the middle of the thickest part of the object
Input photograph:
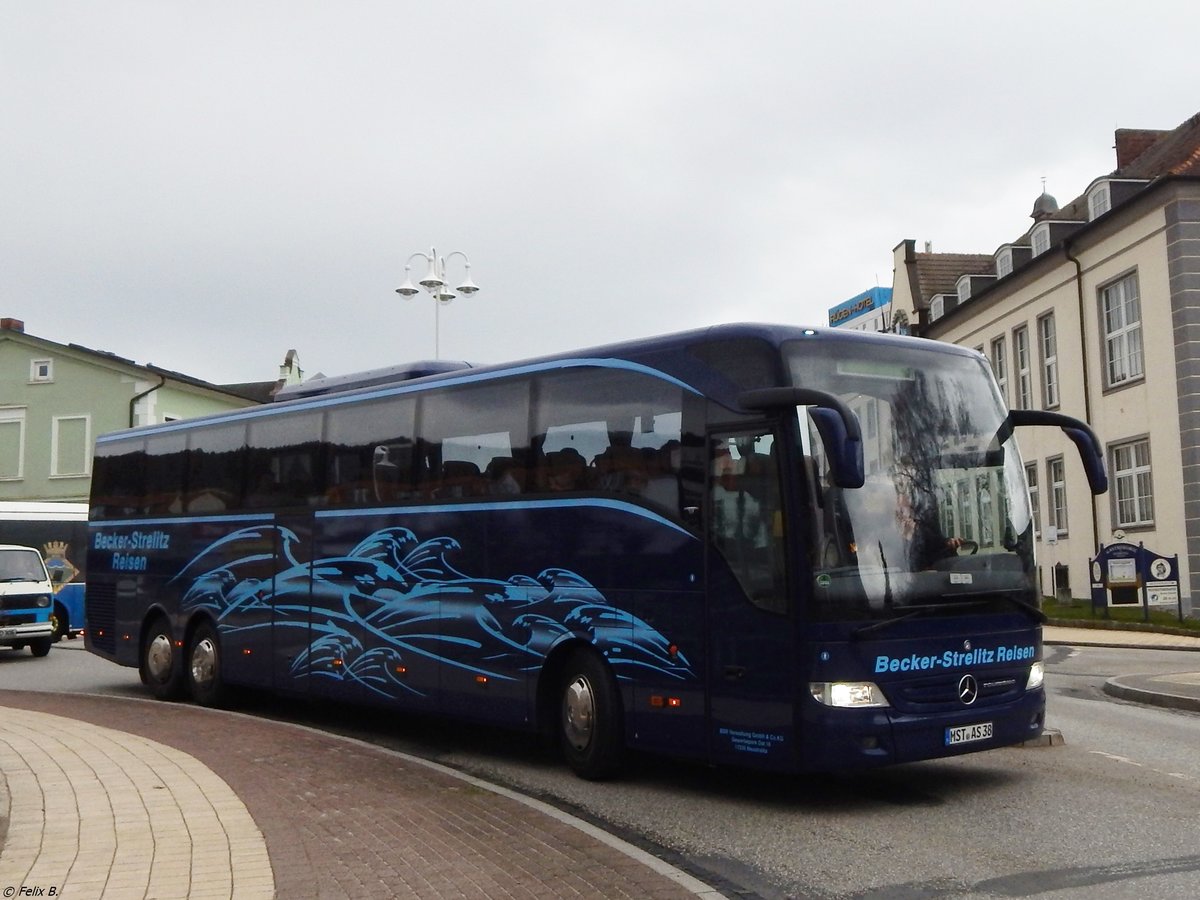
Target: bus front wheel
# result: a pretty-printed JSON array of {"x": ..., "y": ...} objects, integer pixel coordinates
[
  {"x": 204, "y": 666},
  {"x": 590, "y": 726},
  {"x": 160, "y": 665},
  {"x": 40, "y": 646}
]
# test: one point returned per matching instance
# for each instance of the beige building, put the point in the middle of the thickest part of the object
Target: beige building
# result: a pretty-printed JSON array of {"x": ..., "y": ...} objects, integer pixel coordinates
[{"x": 1093, "y": 312}]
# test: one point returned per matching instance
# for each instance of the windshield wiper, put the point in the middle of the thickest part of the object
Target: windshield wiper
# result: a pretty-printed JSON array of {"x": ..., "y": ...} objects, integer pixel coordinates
[
  {"x": 885, "y": 623},
  {"x": 924, "y": 609},
  {"x": 1028, "y": 607}
]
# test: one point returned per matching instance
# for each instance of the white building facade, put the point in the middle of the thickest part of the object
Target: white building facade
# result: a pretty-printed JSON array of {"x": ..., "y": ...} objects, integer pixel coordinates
[{"x": 1094, "y": 312}]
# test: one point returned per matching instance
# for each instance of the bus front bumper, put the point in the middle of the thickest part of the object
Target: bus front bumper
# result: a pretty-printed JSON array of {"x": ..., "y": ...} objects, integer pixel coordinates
[{"x": 847, "y": 739}]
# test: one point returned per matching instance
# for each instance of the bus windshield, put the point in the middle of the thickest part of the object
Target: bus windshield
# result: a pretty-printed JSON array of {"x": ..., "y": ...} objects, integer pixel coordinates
[{"x": 942, "y": 521}]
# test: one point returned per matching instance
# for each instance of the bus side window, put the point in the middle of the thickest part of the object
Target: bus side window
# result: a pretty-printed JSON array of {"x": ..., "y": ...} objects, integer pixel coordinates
[
  {"x": 370, "y": 452},
  {"x": 118, "y": 479},
  {"x": 165, "y": 464}
]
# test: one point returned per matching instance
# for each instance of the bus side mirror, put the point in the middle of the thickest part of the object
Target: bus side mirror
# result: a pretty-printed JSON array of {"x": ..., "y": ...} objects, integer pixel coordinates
[
  {"x": 837, "y": 424},
  {"x": 1085, "y": 440}
]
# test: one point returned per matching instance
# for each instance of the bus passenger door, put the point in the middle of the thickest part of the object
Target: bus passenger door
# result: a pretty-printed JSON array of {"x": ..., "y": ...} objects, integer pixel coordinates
[{"x": 751, "y": 674}]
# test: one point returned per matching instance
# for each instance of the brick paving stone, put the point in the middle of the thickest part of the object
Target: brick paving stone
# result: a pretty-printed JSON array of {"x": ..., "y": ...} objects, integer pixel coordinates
[{"x": 342, "y": 819}]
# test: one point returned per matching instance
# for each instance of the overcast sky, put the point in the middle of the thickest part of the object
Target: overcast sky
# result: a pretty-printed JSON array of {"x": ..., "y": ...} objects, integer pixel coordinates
[{"x": 204, "y": 185}]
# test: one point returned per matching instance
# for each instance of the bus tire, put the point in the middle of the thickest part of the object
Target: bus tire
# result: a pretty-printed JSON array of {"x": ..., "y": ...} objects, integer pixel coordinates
[
  {"x": 591, "y": 729},
  {"x": 41, "y": 646},
  {"x": 161, "y": 668},
  {"x": 62, "y": 624},
  {"x": 203, "y": 663}
]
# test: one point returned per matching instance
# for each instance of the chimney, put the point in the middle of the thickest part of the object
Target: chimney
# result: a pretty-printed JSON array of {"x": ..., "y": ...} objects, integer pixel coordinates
[
  {"x": 12, "y": 325},
  {"x": 1133, "y": 142}
]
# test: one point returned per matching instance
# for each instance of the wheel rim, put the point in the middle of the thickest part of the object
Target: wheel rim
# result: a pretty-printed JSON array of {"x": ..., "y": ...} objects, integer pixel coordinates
[
  {"x": 54, "y": 622},
  {"x": 579, "y": 713},
  {"x": 204, "y": 662},
  {"x": 159, "y": 657}
]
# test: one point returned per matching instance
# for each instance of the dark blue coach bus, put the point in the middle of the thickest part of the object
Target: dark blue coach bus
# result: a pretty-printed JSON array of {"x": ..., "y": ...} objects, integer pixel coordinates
[{"x": 777, "y": 547}]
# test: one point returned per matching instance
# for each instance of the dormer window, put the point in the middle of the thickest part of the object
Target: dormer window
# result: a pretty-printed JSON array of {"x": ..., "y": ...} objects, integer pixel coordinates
[
  {"x": 937, "y": 307},
  {"x": 1004, "y": 262},
  {"x": 964, "y": 289},
  {"x": 1099, "y": 201},
  {"x": 1040, "y": 239}
]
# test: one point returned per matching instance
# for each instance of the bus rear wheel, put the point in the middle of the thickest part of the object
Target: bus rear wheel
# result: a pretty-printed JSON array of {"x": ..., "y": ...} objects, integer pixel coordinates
[
  {"x": 160, "y": 666},
  {"x": 204, "y": 666},
  {"x": 590, "y": 725}
]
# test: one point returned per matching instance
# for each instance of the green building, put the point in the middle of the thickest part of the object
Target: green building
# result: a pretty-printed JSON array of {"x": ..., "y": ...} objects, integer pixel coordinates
[{"x": 56, "y": 398}]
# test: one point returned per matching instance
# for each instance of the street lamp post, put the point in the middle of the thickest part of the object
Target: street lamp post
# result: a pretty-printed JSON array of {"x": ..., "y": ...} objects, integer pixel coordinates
[{"x": 434, "y": 283}]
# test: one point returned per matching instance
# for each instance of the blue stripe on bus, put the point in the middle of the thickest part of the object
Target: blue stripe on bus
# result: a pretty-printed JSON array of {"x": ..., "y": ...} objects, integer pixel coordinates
[
  {"x": 395, "y": 391},
  {"x": 505, "y": 505},
  {"x": 182, "y": 520},
  {"x": 407, "y": 510}
]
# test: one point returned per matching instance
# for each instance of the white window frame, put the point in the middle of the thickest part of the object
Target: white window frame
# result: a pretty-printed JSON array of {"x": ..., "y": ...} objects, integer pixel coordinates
[
  {"x": 56, "y": 461},
  {"x": 15, "y": 415},
  {"x": 963, "y": 289},
  {"x": 937, "y": 307},
  {"x": 1022, "y": 366},
  {"x": 1035, "y": 501},
  {"x": 1000, "y": 364},
  {"x": 1004, "y": 262},
  {"x": 36, "y": 376},
  {"x": 1039, "y": 239},
  {"x": 1048, "y": 348},
  {"x": 1121, "y": 324},
  {"x": 1099, "y": 201},
  {"x": 1056, "y": 478},
  {"x": 1133, "y": 485}
]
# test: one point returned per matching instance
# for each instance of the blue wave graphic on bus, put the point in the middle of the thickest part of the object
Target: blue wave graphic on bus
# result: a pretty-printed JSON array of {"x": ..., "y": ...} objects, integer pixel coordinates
[{"x": 395, "y": 601}]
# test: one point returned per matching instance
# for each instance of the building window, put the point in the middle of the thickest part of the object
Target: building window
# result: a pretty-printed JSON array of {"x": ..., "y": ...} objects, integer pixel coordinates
[
  {"x": 966, "y": 511},
  {"x": 1098, "y": 201},
  {"x": 1048, "y": 345},
  {"x": 1024, "y": 373},
  {"x": 1003, "y": 263},
  {"x": 1035, "y": 503},
  {"x": 1000, "y": 365},
  {"x": 937, "y": 308},
  {"x": 70, "y": 446},
  {"x": 1056, "y": 476},
  {"x": 1040, "y": 239},
  {"x": 1134, "y": 495},
  {"x": 1121, "y": 312},
  {"x": 964, "y": 289},
  {"x": 12, "y": 443},
  {"x": 41, "y": 371}
]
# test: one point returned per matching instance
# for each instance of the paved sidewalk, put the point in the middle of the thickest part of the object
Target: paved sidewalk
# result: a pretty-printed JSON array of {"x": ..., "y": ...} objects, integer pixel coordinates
[
  {"x": 111, "y": 797},
  {"x": 1179, "y": 690}
]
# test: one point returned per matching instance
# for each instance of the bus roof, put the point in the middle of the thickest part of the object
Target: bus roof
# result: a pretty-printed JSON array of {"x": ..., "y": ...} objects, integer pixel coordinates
[{"x": 667, "y": 356}]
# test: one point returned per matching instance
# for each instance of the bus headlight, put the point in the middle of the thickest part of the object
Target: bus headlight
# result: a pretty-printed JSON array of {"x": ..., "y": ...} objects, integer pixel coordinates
[
  {"x": 43, "y": 600},
  {"x": 1037, "y": 674},
  {"x": 847, "y": 694}
]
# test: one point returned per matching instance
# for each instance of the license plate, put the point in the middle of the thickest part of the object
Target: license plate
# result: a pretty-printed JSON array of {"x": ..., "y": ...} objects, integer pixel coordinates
[
  {"x": 965, "y": 734},
  {"x": 7, "y": 632}
]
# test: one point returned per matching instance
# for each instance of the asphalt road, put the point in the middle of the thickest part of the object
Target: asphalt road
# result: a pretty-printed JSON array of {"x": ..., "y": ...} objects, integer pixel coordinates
[{"x": 1108, "y": 813}]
